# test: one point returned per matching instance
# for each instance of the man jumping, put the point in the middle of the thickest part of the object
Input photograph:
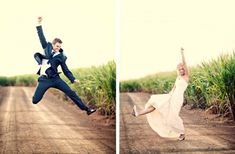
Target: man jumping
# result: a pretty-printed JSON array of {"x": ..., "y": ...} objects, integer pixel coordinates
[{"x": 49, "y": 76}]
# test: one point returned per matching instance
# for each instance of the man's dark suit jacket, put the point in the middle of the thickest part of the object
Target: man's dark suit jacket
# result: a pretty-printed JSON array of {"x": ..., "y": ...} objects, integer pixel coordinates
[{"x": 54, "y": 61}]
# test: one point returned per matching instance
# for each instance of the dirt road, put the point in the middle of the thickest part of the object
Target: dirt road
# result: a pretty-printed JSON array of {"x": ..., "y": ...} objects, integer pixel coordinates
[
  {"x": 52, "y": 126},
  {"x": 203, "y": 135}
]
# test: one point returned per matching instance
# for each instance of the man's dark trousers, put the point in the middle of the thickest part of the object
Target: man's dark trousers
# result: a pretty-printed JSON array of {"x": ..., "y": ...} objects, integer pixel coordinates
[{"x": 45, "y": 83}]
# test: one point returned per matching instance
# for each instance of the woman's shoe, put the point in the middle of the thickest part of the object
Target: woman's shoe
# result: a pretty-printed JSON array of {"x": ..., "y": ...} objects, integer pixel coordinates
[
  {"x": 181, "y": 137},
  {"x": 134, "y": 112}
]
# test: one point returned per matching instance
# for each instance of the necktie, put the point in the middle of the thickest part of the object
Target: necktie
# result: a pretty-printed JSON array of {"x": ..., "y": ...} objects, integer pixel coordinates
[{"x": 52, "y": 53}]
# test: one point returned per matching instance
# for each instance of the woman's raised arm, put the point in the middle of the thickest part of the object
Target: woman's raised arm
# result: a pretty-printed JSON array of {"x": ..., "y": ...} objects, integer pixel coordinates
[{"x": 184, "y": 62}]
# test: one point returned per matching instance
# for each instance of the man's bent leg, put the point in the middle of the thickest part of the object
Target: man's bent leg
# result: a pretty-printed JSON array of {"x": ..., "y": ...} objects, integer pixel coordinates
[{"x": 40, "y": 90}]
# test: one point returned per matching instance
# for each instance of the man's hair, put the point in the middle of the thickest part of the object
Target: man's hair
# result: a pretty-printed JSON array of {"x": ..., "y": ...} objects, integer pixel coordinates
[{"x": 57, "y": 40}]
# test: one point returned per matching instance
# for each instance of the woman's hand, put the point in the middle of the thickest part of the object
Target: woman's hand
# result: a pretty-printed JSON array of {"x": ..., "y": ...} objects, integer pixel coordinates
[
  {"x": 39, "y": 20},
  {"x": 186, "y": 74},
  {"x": 182, "y": 50}
]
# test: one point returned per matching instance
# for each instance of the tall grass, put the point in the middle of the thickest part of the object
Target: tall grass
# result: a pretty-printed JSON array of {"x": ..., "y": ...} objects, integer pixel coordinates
[
  {"x": 158, "y": 83},
  {"x": 97, "y": 85},
  {"x": 20, "y": 80},
  {"x": 228, "y": 76},
  {"x": 211, "y": 83}
]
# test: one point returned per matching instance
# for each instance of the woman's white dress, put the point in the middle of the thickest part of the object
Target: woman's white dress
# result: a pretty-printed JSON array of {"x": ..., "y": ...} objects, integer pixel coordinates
[{"x": 165, "y": 118}]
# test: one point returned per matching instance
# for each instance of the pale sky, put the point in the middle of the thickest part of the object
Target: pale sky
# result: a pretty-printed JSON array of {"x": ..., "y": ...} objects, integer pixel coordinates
[
  {"x": 152, "y": 32},
  {"x": 86, "y": 28}
]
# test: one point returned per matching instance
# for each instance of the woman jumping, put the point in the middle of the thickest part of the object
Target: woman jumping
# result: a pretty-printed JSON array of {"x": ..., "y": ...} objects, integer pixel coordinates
[{"x": 163, "y": 110}]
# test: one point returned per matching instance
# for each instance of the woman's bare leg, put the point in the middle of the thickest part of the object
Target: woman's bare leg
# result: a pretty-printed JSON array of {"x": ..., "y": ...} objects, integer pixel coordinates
[{"x": 143, "y": 112}]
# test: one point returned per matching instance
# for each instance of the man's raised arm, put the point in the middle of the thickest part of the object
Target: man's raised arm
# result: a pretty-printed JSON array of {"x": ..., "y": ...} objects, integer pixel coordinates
[{"x": 40, "y": 33}]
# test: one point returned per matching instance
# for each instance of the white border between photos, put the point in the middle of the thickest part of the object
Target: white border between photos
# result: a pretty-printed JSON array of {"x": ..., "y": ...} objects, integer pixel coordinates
[{"x": 117, "y": 55}]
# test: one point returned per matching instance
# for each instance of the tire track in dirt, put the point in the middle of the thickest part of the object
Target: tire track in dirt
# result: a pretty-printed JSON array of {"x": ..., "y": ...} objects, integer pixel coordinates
[
  {"x": 202, "y": 136},
  {"x": 51, "y": 126}
]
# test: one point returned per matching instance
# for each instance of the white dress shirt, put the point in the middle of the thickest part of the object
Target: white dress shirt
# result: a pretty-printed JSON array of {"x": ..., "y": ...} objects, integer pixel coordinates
[{"x": 44, "y": 66}]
